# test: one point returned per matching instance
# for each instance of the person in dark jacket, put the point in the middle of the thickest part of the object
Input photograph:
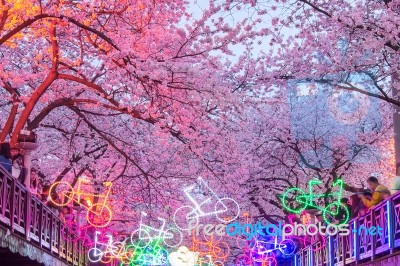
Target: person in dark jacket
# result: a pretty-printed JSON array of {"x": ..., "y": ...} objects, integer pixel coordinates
[
  {"x": 357, "y": 207},
  {"x": 5, "y": 156}
]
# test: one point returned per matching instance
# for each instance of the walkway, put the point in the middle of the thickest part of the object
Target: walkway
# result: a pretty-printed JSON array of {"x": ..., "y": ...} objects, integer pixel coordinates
[
  {"x": 29, "y": 227},
  {"x": 358, "y": 250}
]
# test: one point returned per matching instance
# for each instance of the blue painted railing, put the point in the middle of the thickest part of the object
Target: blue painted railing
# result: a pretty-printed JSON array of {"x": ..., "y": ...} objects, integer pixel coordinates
[{"x": 354, "y": 248}]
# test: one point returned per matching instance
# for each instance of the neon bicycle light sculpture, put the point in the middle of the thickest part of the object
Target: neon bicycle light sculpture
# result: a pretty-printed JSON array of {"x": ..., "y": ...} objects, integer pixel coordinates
[
  {"x": 112, "y": 250},
  {"x": 305, "y": 200},
  {"x": 246, "y": 258},
  {"x": 209, "y": 262},
  {"x": 213, "y": 248},
  {"x": 98, "y": 215},
  {"x": 308, "y": 240},
  {"x": 191, "y": 214},
  {"x": 146, "y": 234},
  {"x": 266, "y": 247},
  {"x": 250, "y": 257},
  {"x": 151, "y": 254}
]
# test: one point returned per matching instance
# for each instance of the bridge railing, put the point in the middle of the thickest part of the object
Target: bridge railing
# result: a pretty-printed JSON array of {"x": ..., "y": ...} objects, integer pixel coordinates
[
  {"x": 356, "y": 247},
  {"x": 26, "y": 216}
]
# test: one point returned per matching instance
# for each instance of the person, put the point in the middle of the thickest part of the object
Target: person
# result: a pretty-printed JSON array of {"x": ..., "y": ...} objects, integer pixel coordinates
[
  {"x": 319, "y": 218},
  {"x": 61, "y": 215},
  {"x": 357, "y": 207},
  {"x": 68, "y": 215},
  {"x": 18, "y": 171},
  {"x": 379, "y": 192},
  {"x": 34, "y": 182},
  {"x": 292, "y": 218},
  {"x": 44, "y": 196},
  {"x": 353, "y": 189},
  {"x": 45, "y": 199},
  {"x": 395, "y": 187},
  {"x": 5, "y": 156}
]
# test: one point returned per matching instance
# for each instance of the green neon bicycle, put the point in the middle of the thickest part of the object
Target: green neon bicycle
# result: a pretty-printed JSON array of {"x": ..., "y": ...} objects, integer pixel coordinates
[{"x": 297, "y": 200}]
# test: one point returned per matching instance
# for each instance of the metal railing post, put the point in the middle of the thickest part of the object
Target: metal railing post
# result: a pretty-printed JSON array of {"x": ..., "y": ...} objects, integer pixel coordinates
[
  {"x": 51, "y": 233},
  {"x": 4, "y": 194},
  {"x": 12, "y": 202},
  {"x": 391, "y": 224},
  {"x": 331, "y": 251},
  {"x": 344, "y": 241},
  {"x": 70, "y": 242},
  {"x": 356, "y": 241},
  {"x": 40, "y": 226},
  {"x": 28, "y": 215},
  {"x": 59, "y": 238},
  {"x": 373, "y": 244}
]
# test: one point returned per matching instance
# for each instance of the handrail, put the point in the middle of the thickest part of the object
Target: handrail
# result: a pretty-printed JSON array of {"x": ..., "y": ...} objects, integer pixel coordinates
[
  {"x": 24, "y": 215},
  {"x": 354, "y": 248}
]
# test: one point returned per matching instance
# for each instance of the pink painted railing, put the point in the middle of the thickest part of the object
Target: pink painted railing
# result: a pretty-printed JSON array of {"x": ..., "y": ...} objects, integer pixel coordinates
[
  {"x": 25, "y": 216},
  {"x": 354, "y": 248}
]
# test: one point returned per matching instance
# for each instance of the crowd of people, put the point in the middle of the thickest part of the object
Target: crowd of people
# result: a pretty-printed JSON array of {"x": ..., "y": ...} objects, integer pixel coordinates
[
  {"x": 360, "y": 201},
  {"x": 363, "y": 199},
  {"x": 11, "y": 159}
]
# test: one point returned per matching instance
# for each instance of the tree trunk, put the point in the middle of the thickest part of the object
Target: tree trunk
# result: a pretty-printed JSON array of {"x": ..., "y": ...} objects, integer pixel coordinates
[
  {"x": 31, "y": 104},
  {"x": 10, "y": 122}
]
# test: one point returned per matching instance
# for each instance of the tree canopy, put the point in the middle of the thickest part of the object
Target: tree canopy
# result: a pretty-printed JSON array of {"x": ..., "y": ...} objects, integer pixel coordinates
[{"x": 150, "y": 95}]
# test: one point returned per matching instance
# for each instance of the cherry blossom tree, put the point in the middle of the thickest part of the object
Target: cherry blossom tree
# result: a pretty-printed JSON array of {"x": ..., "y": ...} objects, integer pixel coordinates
[
  {"x": 126, "y": 91},
  {"x": 327, "y": 44},
  {"x": 315, "y": 39},
  {"x": 283, "y": 158},
  {"x": 149, "y": 96}
]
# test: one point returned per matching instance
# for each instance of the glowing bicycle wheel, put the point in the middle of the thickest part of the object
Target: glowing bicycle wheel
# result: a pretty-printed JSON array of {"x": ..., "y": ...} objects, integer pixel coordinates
[
  {"x": 231, "y": 210},
  {"x": 118, "y": 249},
  {"x": 173, "y": 237},
  {"x": 337, "y": 207},
  {"x": 243, "y": 260},
  {"x": 127, "y": 256},
  {"x": 140, "y": 238},
  {"x": 99, "y": 219},
  {"x": 221, "y": 250},
  {"x": 269, "y": 261},
  {"x": 287, "y": 247},
  {"x": 107, "y": 257},
  {"x": 95, "y": 255},
  {"x": 185, "y": 216},
  {"x": 61, "y": 193},
  {"x": 289, "y": 195}
]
